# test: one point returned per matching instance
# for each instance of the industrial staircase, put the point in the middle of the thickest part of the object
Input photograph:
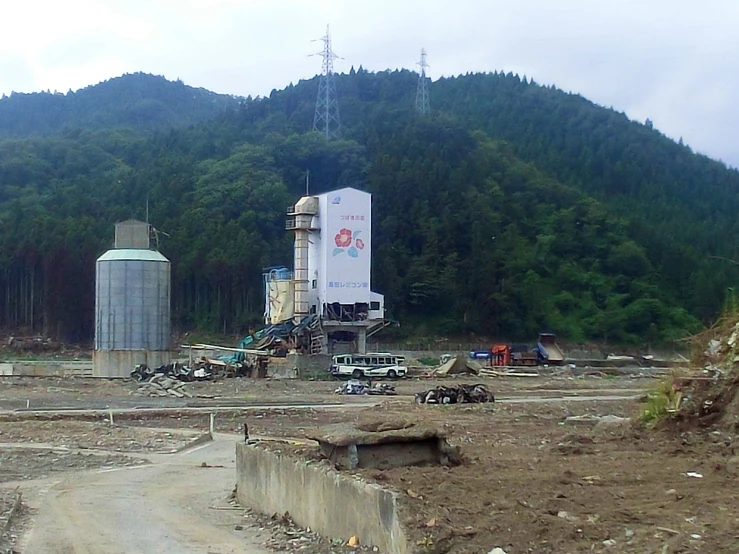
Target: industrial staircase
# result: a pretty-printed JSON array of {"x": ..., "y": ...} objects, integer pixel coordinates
[{"x": 316, "y": 336}]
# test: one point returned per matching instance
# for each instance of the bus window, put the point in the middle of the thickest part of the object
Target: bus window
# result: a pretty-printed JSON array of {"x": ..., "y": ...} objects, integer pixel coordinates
[{"x": 373, "y": 361}]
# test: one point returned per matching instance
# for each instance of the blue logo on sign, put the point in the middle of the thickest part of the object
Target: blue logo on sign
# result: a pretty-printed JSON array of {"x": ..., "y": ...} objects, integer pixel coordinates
[{"x": 336, "y": 200}]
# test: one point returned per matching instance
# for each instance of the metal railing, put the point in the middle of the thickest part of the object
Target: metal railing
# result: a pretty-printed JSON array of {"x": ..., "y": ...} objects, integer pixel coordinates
[{"x": 446, "y": 347}]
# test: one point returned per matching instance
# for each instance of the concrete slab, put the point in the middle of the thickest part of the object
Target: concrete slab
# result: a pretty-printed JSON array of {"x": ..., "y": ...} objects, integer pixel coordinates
[
  {"x": 381, "y": 432},
  {"x": 384, "y": 445}
]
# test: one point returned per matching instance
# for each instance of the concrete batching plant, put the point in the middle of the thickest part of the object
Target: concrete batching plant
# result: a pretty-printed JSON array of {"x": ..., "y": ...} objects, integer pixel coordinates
[
  {"x": 132, "y": 304},
  {"x": 331, "y": 282}
]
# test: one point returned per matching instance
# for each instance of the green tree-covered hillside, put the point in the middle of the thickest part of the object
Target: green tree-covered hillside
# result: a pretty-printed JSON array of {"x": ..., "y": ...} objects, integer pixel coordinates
[
  {"x": 511, "y": 209},
  {"x": 138, "y": 101}
]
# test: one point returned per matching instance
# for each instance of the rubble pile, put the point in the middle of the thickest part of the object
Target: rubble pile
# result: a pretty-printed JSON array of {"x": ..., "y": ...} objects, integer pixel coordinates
[
  {"x": 357, "y": 387},
  {"x": 711, "y": 397},
  {"x": 162, "y": 385},
  {"x": 203, "y": 369},
  {"x": 33, "y": 345},
  {"x": 461, "y": 394}
]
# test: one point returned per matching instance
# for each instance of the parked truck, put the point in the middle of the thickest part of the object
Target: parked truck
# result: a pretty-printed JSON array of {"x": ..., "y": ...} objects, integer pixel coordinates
[{"x": 545, "y": 352}]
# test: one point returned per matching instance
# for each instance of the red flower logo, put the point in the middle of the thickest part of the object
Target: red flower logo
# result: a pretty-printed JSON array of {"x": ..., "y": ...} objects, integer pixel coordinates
[
  {"x": 359, "y": 243},
  {"x": 344, "y": 238}
]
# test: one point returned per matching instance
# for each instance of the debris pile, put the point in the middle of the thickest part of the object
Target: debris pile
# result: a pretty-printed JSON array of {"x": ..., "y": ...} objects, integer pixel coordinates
[
  {"x": 162, "y": 385},
  {"x": 33, "y": 345},
  {"x": 286, "y": 536},
  {"x": 711, "y": 397},
  {"x": 10, "y": 507},
  {"x": 354, "y": 387},
  {"x": 458, "y": 365},
  {"x": 461, "y": 394},
  {"x": 278, "y": 339},
  {"x": 204, "y": 369}
]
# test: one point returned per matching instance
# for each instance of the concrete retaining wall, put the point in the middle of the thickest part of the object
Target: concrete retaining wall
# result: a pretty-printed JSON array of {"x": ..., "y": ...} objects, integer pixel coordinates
[
  {"x": 46, "y": 369},
  {"x": 319, "y": 497},
  {"x": 120, "y": 363},
  {"x": 316, "y": 364},
  {"x": 282, "y": 368}
]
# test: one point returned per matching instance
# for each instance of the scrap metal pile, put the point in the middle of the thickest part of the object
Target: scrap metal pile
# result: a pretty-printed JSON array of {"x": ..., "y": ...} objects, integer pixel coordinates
[
  {"x": 280, "y": 338},
  {"x": 175, "y": 371},
  {"x": 461, "y": 394},
  {"x": 203, "y": 369}
]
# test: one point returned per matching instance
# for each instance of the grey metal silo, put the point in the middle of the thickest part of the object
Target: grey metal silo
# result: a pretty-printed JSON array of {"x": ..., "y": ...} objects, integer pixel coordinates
[{"x": 132, "y": 304}]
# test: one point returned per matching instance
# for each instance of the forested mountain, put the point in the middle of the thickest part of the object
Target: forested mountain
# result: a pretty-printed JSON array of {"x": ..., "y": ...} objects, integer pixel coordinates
[
  {"x": 138, "y": 101},
  {"x": 512, "y": 208}
]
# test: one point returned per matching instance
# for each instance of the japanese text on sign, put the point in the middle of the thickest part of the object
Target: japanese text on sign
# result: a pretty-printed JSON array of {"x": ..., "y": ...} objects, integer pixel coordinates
[
  {"x": 347, "y": 285},
  {"x": 352, "y": 218}
]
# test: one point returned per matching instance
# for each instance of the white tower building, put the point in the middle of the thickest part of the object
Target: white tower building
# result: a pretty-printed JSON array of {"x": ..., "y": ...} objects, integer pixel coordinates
[{"x": 332, "y": 272}]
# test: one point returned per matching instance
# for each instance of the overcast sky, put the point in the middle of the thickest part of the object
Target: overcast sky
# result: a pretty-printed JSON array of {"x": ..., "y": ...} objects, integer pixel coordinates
[{"x": 673, "y": 61}]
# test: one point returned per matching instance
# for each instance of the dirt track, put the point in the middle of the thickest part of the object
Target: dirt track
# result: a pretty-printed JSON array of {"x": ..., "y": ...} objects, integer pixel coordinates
[{"x": 165, "y": 507}]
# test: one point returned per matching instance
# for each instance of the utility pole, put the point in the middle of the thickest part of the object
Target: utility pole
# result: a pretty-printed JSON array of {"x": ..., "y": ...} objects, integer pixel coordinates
[
  {"x": 326, "y": 119},
  {"x": 422, "y": 92}
]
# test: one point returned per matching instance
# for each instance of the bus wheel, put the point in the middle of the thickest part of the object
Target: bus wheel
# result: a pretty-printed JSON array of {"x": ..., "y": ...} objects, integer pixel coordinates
[
  {"x": 392, "y": 374},
  {"x": 356, "y": 374}
]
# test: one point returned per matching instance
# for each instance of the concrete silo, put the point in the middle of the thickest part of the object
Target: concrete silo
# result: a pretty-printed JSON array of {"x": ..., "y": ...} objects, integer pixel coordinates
[{"x": 132, "y": 304}]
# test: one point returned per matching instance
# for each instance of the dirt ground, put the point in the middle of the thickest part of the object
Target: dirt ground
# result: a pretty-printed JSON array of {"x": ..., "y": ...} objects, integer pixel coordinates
[
  {"x": 40, "y": 449},
  {"x": 90, "y": 435},
  {"x": 55, "y": 390},
  {"x": 531, "y": 481},
  {"x": 24, "y": 464}
]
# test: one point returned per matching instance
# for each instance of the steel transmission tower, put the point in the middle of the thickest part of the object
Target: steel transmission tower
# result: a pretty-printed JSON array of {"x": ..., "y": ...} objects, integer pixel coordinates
[
  {"x": 422, "y": 92},
  {"x": 326, "y": 119}
]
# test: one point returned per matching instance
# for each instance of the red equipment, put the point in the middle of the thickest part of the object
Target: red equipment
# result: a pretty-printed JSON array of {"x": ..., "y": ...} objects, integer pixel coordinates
[{"x": 501, "y": 355}]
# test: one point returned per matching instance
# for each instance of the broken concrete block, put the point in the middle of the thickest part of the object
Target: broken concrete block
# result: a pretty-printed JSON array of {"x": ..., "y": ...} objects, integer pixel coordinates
[{"x": 384, "y": 445}]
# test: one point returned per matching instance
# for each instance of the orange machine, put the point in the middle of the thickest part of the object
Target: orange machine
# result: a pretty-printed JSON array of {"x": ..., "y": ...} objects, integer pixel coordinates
[{"x": 501, "y": 355}]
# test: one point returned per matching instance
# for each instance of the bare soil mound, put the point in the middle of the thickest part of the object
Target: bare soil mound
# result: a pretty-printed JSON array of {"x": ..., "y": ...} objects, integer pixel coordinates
[{"x": 711, "y": 397}]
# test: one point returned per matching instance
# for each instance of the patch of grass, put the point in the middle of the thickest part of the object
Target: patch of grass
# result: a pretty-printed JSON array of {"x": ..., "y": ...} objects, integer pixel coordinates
[
  {"x": 316, "y": 375},
  {"x": 661, "y": 402},
  {"x": 428, "y": 360}
]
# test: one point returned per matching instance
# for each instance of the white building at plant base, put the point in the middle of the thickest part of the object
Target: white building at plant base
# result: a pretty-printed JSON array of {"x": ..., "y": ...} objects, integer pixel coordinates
[{"x": 330, "y": 289}]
